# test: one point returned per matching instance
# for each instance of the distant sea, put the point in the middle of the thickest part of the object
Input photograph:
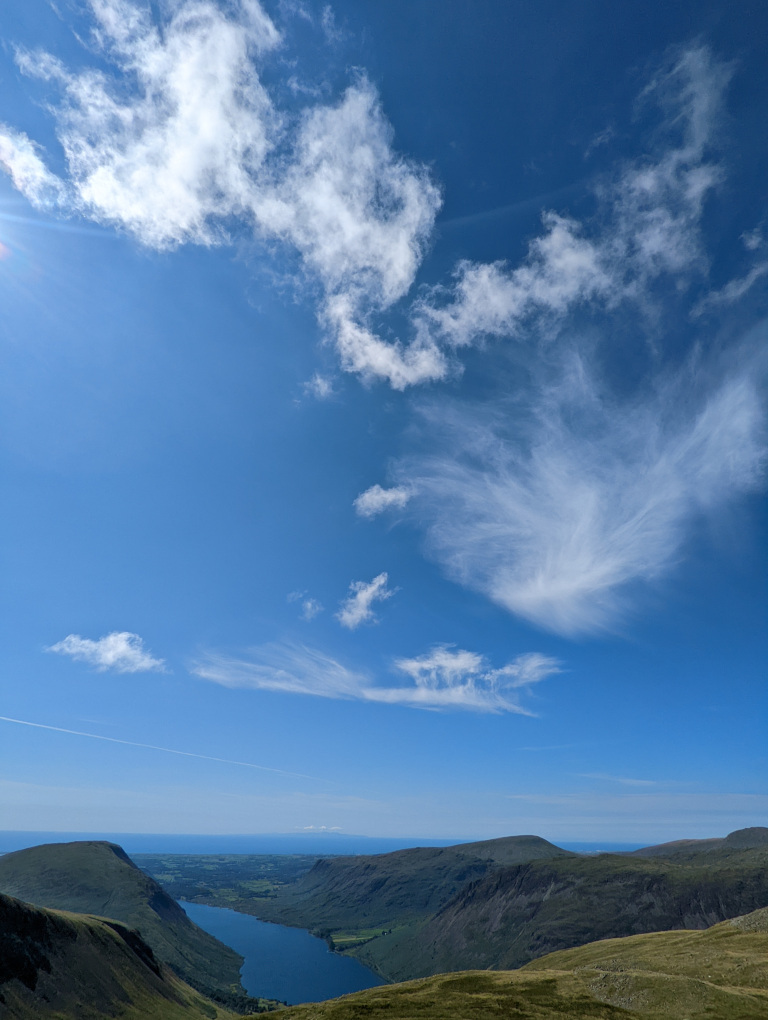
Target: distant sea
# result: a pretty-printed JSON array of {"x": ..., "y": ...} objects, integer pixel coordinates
[{"x": 268, "y": 843}]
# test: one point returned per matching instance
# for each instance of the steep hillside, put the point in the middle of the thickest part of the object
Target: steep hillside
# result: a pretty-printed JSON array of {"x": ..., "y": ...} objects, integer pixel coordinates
[
  {"x": 718, "y": 974},
  {"x": 517, "y": 914},
  {"x": 387, "y": 890},
  {"x": 55, "y": 964},
  {"x": 99, "y": 878}
]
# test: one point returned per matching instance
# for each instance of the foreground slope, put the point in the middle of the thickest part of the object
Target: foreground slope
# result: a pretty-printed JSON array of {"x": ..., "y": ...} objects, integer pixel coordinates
[
  {"x": 717, "y": 974},
  {"x": 56, "y": 964},
  {"x": 99, "y": 878}
]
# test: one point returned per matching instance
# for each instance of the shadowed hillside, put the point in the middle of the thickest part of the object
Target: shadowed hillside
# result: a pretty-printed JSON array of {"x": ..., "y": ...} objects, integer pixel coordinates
[
  {"x": 55, "y": 964},
  {"x": 99, "y": 878},
  {"x": 514, "y": 915},
  {"x": 505, "y": 902},
  {"x": 717, "y": 974},
  {"x": 384, "y": 890}
]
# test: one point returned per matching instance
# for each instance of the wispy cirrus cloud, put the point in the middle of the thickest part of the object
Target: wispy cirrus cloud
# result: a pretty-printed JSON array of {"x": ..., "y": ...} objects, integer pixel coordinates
[
  {"x": 557, "y": 514},
  {"x": 647, "y": 224},
  {"x": 310, "y": 607},
  {"x": 377, "y": 499},
  {"x": 357, "y": 608},
  {"x": 120, "y": 651},
  {"x": 621, "y": 780},
  {"x": 445, "y": 678}
]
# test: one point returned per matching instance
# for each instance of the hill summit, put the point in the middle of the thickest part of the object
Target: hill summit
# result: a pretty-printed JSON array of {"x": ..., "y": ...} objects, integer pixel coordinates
[{"x": 99, "y": 878}]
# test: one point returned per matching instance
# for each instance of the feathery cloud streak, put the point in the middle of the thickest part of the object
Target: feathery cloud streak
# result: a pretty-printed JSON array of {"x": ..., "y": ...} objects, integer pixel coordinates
[
  {"x": 647, "y": 225},
  {"x": 120, "y": 651},
  {"x": 555, "y": 515},
  {"x": 443, "y": 679}
]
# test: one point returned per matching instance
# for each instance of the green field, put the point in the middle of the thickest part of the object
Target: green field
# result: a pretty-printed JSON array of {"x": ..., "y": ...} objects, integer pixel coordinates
[{"x": 241, "y": 882}]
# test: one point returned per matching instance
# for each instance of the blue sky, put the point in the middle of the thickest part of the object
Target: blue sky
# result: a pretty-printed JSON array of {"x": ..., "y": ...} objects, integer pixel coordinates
[{"x": 383, "y": 417}]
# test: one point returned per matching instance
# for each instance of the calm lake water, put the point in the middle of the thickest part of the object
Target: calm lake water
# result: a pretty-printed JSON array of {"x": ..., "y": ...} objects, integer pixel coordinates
[{"x": 283, "y": 963}]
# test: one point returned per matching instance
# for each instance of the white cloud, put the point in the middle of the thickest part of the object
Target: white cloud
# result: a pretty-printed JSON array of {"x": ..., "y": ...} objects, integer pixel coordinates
[
  {"x": 319, "y": 386},
  {"x": 752, "y": 239},
  {"x": 376, "y": 500},
  {"x": 20, "y": 159},
  {"x": 647, "y": 224},
  {"x": 120, "y": 651},
  {"x": 733, "y": 291},
  {"x": 556, "y": 510},
  {"x": 183, "y": 142},
  {"x": 171, "y": 146},
  {"x": 455, "y": 677},
  {"x": 356, "y": 609},
  {"x": 310, "y": 608},
  {"x": 622, "y": 780},
  {"x": 442, "y": 679}
]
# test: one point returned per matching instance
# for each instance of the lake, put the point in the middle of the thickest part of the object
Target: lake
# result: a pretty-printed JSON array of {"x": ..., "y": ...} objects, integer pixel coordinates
[{"x": 283, "y": 963}]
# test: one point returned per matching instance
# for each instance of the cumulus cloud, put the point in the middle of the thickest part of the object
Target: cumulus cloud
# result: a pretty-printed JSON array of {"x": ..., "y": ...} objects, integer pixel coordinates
[
  {"x": 120, "y": 651},
  {"x": 556, "y": 516},
  {"x": 376, "y": 500},
  {"x": 182, "y": 142},
  {"x": 444, "y": 678},
  {"x": 357, "y": 608},
  {"x": 169, "y": 146},
  {"x": 178, "y": 140}
]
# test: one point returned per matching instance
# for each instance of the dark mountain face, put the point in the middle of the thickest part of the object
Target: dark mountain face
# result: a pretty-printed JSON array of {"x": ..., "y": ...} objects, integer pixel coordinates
[
  {"x": 518, "y": 914},
  {"x": 54, "y": 964},
  {"x": 99, "y": 878},
  {"x": 407, "y": 885},
  {"x": 502, "y": 903}
]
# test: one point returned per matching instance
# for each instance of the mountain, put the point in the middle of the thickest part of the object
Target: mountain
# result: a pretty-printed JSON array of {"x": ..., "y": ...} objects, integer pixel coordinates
[
  {"x": 59, "y": 965},
  {"x": 720, "y": 974},
  {"x": 385, "y": 890},
  {"x": 517, "y": 914},
  {"x": 503, "y": 903},
  {"x": 741, "y": 839},
  {"x": 99, "y": 878}
]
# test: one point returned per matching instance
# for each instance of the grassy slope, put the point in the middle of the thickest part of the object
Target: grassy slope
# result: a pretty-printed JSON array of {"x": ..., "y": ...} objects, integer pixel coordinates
[
  {"x": 56, "y": 964},
  {"x": 99, "y": 878},
  {"x": 718, "y": 974},
  {"x": 237, "y": 881},
  {"x": 742, "y": 839}
]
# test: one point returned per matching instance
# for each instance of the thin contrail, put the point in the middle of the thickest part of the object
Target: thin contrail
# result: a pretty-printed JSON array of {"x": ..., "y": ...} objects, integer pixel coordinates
[{"x": 154, "y": 747}]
